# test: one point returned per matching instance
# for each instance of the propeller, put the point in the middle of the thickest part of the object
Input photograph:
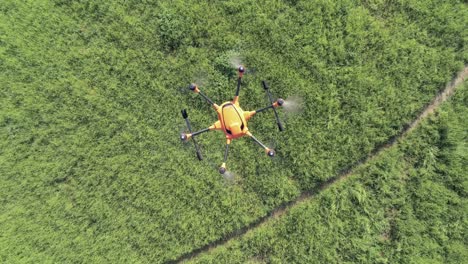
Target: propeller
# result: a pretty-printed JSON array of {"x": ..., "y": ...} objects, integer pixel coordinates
[
  {"x": 235, "y": 61},
  {"x": 293, "y": 104},
  {"x": 200, "y": 79},
  {"x": 230, "y": 177}
]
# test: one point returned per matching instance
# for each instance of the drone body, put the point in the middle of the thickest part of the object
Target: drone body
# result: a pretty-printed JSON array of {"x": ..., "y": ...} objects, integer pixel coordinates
[{"x": 232, "y": 120}]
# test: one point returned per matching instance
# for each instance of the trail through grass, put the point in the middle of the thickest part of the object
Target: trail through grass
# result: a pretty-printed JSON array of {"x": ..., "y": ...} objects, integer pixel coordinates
[{"x": 307, "y": 196}]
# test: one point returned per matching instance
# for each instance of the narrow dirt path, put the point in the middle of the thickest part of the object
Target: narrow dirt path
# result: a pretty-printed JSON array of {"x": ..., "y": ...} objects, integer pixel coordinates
[{"x": 305, "y": 196}]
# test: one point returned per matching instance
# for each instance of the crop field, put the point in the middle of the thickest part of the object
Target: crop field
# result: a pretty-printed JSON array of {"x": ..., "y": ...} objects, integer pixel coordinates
[
  {"x": 92, "y": 169},
  {"x": 408, "y": 205}
]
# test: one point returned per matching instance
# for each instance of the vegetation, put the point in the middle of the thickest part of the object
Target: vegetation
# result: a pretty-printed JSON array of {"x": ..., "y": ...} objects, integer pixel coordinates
[
  {"x": 91, "y": 167},
  {"x": 408, "y": 205}
]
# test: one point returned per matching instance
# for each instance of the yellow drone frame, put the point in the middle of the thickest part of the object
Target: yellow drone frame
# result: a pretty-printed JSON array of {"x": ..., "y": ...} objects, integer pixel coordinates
[{"x": 232, "y": 120}]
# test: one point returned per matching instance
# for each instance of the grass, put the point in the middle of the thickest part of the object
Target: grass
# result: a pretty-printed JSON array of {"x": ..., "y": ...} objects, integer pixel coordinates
[
  {"x": 91, "y": 167},
  {"x": 406, "y": 205}
]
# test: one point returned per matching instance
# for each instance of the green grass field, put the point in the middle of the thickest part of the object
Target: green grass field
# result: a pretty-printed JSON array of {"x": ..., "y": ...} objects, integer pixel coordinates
[
  {"x": 91, "y": 165},
  {"x": 408, "y": 205}
]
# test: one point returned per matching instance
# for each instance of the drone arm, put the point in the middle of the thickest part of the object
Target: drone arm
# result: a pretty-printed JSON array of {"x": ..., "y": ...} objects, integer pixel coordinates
[
  {"x": 239, "y": 81},
  {"x": 195, "y": 89},
  {"x": 199, "y": 132},
  {"x": 249, "y": 114},
  {"x": 215, "y": 106},
  {"x": 269, "y": 152},
  {"x": 215, "y": 126},
  {"x": 278, "y": 102},
  {"x": 222, "y": 169}
]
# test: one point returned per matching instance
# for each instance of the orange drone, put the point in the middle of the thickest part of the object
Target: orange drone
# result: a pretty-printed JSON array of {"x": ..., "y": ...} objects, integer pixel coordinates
[{"x": 232, "y": 120}]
